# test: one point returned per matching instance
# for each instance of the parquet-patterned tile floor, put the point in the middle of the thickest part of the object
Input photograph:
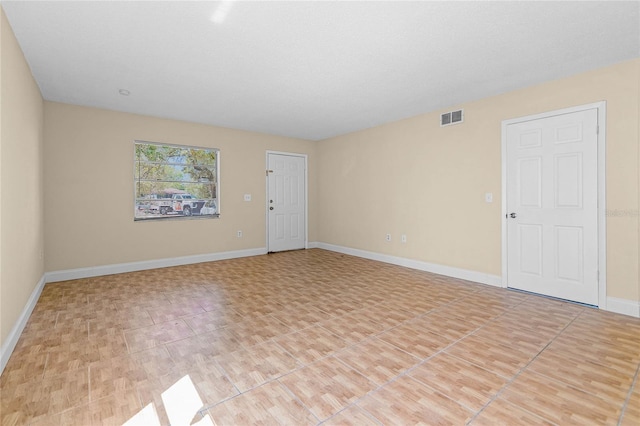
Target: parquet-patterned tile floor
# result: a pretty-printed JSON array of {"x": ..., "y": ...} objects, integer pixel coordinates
[{"x": 310, "y": 337}]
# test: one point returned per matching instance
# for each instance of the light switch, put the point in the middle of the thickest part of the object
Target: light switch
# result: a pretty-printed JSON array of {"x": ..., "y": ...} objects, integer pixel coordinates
[
  {"x": 488, "y": 197},
  {"x": 247, "y": 197}
]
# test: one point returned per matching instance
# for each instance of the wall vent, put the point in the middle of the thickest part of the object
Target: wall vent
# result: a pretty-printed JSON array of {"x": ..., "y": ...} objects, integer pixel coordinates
[{"x": 453, "y": 117}]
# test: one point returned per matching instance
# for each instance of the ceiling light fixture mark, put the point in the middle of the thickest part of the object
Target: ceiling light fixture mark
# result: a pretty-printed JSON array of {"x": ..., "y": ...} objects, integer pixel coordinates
[
  {"x": 124, "y": 92},
  {"x": 221, "y": 11}
]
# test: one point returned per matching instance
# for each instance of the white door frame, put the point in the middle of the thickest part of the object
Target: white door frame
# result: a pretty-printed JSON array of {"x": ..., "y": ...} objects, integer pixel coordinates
[
  {"x": 306, "y": 195},
  {"x": 602, "y": 218}
]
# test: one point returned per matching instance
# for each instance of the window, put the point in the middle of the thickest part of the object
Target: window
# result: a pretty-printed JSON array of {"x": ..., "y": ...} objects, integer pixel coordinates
[{"x": 173, "y": 181}]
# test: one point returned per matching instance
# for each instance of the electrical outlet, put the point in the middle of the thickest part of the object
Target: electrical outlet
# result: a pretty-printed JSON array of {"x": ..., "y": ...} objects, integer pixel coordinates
[
  {"x": 239, "y": 234},
  {"x": 403, "y": 238},
  {"x": 388, "y": 237},
  {"x": 247, "y": 197},
  {"x": 488, "y": 197}
]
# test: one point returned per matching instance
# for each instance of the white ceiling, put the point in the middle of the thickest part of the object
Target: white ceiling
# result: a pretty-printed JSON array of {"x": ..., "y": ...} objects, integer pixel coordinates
[{"x": 310, "y": 70}]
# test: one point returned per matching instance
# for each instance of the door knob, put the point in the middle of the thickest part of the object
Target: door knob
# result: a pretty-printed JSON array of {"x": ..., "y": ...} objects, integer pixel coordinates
[
  {"x": 513, "y": 215},
  {"x": 270, "y": 208}
]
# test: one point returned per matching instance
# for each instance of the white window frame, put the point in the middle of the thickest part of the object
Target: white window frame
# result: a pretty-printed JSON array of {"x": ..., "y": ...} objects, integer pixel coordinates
[{"x": 165, "y": 204}]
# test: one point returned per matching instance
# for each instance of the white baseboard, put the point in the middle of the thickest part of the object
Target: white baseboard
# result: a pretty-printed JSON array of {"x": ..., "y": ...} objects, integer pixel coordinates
[
  {"x": 623, "y": 306},
  {"x": 12, "y": 339},
  {"x": 464, "y": 274},
  {"x": 312, "y": 245},
  {"x": 74, "y": 274}
]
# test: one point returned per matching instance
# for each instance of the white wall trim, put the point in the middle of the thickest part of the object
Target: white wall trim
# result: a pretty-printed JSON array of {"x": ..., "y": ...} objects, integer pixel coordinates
[
  {"x": 602, "y": 196},
  {"x": 12, "y": 339},
  {"x": 623, "y": 306},
  {"x": 448, "y": 271},
  {"x": 313, "y": 245},
  {"x": 74, "y": 274}
]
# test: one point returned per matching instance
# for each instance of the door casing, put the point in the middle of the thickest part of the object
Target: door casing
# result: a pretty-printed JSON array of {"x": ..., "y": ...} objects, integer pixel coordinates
[
  {"x": 602, "y": 219},
  {"x": 306, "y": 196}
]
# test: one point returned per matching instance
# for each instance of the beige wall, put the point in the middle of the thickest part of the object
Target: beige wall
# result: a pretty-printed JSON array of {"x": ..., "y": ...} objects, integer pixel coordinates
[
  {"x": 21, "y": 140},
  {"x": 89, "y": 189},
  {"x": 416, "y": 178}
]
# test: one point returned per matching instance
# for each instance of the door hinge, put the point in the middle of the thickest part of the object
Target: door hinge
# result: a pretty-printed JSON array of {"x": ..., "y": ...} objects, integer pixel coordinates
[{"x": 269, "y": 171}]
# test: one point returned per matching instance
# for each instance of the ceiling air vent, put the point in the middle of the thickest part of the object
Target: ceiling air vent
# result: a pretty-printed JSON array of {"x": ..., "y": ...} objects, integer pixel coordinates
[{"x": 453, "y": 117}]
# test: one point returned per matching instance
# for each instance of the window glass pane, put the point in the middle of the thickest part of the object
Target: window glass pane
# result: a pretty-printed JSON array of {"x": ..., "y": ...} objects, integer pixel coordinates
[{"x": 175, "y": 181}]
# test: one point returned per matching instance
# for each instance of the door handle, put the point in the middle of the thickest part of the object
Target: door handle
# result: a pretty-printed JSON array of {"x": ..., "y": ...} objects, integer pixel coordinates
[
  {"x": 512, "y": 215},
  {"x": 271, "y": 208}
]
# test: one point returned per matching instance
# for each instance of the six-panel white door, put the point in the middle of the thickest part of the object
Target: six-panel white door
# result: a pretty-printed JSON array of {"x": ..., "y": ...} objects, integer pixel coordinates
[
  {"x": 552, "y": 206},
  {"x": 286, "y": 202}
]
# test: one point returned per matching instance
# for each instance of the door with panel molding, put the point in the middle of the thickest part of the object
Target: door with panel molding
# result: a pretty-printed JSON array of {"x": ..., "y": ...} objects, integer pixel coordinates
[
  {"x": 552, "y": 206},
  {"x": 286, "y": 202}
]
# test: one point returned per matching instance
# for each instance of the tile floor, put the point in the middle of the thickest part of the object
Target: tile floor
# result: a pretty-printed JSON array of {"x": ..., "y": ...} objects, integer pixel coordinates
[{"x": 312, "y": 336}]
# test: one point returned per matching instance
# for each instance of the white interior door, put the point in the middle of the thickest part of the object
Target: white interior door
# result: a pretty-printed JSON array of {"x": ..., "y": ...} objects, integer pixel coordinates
[
  {"x": 552, "y": 206},
  {"x": 286, "y": 202}
]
